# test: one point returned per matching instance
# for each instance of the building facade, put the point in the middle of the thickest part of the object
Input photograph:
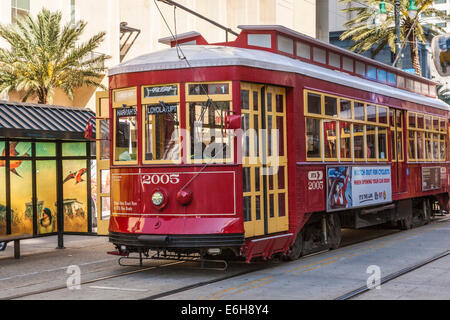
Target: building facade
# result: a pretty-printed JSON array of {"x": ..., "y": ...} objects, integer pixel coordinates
[{"x": 134, "y": 27}]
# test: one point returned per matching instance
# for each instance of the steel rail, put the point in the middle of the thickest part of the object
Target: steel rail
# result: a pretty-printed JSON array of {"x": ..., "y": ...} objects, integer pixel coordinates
[
  {"x": 32, "y": 293},
  {"x": 393, "y": 276}
]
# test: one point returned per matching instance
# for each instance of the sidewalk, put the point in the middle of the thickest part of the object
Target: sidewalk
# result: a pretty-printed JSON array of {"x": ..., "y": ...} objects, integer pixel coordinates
[{"x": 49, "y": 244}]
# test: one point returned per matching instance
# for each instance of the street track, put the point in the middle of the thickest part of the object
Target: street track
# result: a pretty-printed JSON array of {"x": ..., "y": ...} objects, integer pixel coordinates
[
  {"x": 258, "y": 267},
  {"x": 393, "y": 276}
]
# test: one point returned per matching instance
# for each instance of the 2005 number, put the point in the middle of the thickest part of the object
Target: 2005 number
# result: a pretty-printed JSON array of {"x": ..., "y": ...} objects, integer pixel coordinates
[
  {"x": 161, "y": 178},
  {"x": 315, "y": 185}
]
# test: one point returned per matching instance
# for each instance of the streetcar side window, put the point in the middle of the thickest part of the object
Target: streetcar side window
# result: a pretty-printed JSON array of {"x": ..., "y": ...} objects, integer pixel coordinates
[
  {"x": 426, "y": 137},
  {"x": 125, "y": 125},
  {"x": 340, "y": 129}
]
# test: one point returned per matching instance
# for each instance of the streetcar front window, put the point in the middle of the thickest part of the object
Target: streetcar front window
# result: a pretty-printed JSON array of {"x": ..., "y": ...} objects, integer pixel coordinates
[
  {"x": 209, "y": 141},
  {"x": 162, "y": 133}
]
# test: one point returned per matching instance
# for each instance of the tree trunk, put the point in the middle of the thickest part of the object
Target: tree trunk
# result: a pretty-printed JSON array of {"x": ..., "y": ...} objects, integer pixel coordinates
[{"x": 414, "y": 49}]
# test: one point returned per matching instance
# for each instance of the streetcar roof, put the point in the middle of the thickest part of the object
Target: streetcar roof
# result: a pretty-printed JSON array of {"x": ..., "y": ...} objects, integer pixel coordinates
[{"x": 216, "y": 56}]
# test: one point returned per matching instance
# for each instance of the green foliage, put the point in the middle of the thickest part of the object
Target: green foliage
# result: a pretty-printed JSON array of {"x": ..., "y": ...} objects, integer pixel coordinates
[
  {"x": 368, "y": 35},
  {"x": 443, "y": 94},
  {"x": 44, "y": 55}
]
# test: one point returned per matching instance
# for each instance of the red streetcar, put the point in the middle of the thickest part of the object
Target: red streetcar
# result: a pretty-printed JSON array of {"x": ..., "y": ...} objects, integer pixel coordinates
[{"x": 268, "y": 145}]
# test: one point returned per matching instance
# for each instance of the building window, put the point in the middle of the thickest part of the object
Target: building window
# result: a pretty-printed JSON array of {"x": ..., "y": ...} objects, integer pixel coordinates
[
  {"x": 72, "y": 11},
  {"x": 19, "y": 9}
]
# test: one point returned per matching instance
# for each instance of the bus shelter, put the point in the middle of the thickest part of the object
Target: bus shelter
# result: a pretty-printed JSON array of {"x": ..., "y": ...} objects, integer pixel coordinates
[{"x": 47, "y": 171}]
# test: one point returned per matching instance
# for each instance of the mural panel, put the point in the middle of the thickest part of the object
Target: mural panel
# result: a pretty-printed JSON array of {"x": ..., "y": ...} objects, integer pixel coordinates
[
  {"x": 21, "y": 196},
  {"x": 46, "y": 196},
  {"x": 75, "y": 195}
]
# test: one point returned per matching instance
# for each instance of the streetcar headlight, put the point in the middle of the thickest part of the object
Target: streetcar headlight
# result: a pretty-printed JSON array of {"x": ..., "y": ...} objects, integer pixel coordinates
[{"x": 157, "y": 198}]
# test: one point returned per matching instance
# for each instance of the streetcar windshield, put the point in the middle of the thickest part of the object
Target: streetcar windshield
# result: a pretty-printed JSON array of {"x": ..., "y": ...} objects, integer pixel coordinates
[{"x": 162, "y": 132}]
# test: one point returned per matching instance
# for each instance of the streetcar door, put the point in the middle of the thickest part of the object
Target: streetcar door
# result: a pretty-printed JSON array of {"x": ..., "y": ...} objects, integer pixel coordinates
[
  {"x": 397, "y": 151},
  {"x": 264, "y": 159},
  {"x": 102, "y": 156}
]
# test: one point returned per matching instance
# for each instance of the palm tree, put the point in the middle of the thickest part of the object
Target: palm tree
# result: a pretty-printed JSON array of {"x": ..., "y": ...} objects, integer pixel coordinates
[
  {"x": 443, "y": 93},
  {"x": 44, "y": 55},
  {"x": 369, "y": 35}
]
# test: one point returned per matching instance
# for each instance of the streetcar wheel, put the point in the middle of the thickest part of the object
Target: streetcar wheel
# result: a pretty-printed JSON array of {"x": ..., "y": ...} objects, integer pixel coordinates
[
  {"x": 296, "y": 250},
  {"x": 334, "y": 231}
]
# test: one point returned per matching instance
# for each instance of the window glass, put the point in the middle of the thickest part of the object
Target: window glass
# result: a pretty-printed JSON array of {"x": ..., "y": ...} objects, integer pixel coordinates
[
  {"x": 345, "y": 109},
  {"x": 45, "y": 149},
  {"x": 334, "y": 60},
  {"x": 382, "y": 143},
  {"x": 442, "y": 125},
  {"x": 126, "y": 134},
  {"x": 285, "y": 44},
  {"x": 104, "y": 142},
  {"x": 420, "y": 144},
  {"x": 303, "y": 50},
  {"x": 347, "y": 64},
  {"x": 358, "y": 141},
  {"x": 371, "y": 142},
  {"x": 400, "y": 82},
  {"x": 442, "y": 147},
  {"x": 400, "y": 145},
  {"x": 330, "y": 106},
  {"x": 371, "y": 72},
  {"x": 319, "y": 55},
  {"x": 260, "y": 40},
  {"x": 381, "y": 75},
  {"x": 425, "y": 88},
  {"x": 435, "y": 146},
  {"x": 245, "y": 94},
  {"x": 162, "y": 127},
  {"x": 427, "y": 122},
  {"x": 371, "y": 113},
  {"x": 330, "y": 139},
  {"x": 417, "y": 87},
  {"x": 411, "y": 145},
  {"x": 19, "y": 149},
  {"x": 382, "y": 115},
  {"x": 436, "y": 124},
  {"x": 314, "y": 103},
  {"x": 73, "y": 149},
  {"x": 409, "y": 84},
  {"x": 345, "y": 135},
  {"x": 428, "y": 148},
  {"x": 207, "y": 134},
  {"x": 420, "y": 122},
  {"x": 360, "y": 68},
  {"x": 412, "y": 120},
  {"x": 359, "y": 112},
  {"x": 391, "y": 78},
  {"x": 313, "y": 138},
  {"x": 19, "y": 9}
]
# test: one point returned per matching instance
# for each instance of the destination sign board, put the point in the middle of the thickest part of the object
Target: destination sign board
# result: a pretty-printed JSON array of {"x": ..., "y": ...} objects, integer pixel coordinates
[{"x": 160, "y": 91}]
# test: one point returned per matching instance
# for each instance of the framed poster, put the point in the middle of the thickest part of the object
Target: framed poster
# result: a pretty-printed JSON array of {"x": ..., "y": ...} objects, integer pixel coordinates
[{"x": 353, "y": 187}]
